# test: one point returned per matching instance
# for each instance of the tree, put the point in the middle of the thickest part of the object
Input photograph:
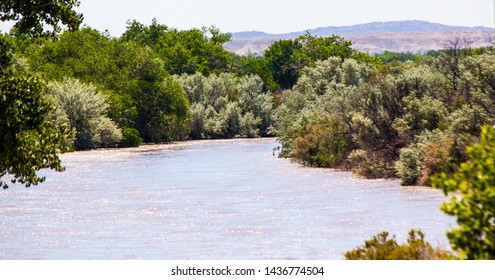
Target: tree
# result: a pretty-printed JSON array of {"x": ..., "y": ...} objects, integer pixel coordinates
[
  {"x": 183, "y": 51},
  {"x": 227, "y": 106},
  {"x": 145, "y": 35},
  {"x": 388, "y": 56},
  {"x": 33, "y": 15},
  {"x": 474, "y": 209},
  {"x": 163, "y": 110},
  {"x": 255, "y": 65},
  {"x": 323, "y": 144},
  {"x": 288, "y": 58},
  {"x": 29, "y": 140},
  {"x": 140, "y": 92},
  {"x": 321, "y": 48},
  {"x": 85, "y": 111},
  {"x": 281, "y": 62}
]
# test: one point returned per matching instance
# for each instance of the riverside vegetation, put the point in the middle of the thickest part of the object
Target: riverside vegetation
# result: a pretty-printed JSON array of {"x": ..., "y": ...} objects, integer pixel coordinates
[{"x": 390, "y": 116}]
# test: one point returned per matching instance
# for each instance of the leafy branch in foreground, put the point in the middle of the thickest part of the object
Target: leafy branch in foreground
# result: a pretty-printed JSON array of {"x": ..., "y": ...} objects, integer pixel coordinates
[
  {"x": 29, "y": 141},
  {"x": 32, "y": 16},
  {"x": 473, "y": 204}
]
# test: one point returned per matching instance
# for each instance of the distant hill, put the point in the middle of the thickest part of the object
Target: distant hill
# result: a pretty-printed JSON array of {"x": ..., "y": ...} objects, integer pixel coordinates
[
  {"x": 367, "y": 28},
  {"x": 413, "y": 36}
]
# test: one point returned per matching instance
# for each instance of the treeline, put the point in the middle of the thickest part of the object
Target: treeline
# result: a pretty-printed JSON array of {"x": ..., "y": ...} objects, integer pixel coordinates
[
  {"x": 393, "y": 115},
  {"x": 406, "y": 120},
  {"x": 159, "y": 84}
]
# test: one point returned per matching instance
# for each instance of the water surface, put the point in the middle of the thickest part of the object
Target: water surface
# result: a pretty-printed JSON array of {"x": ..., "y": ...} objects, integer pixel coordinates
[{"x": 227, "y": 199}]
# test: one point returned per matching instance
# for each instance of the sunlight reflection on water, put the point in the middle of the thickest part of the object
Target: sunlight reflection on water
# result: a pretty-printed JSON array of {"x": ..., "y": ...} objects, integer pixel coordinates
[{"x": 223, "y": 199}]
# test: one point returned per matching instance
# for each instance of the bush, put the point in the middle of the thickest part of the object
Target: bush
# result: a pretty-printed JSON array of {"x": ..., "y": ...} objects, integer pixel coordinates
[
  {"x": 380, "y": 247},
  {"x": 85, "y": 110},
  {"x": 369, "y": 165},
  {"x": 410, "y": 164},
  {"x": 323, "y": 144},
  {"x": 105, "y": 132},
  {"x": 130, "y": 138},
  {"x": 438, "y": 158},
  {"x": 226, "y": 106}
]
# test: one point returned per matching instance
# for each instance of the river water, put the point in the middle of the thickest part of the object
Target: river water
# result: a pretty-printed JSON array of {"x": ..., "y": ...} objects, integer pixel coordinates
[{"x": 224, "y": 199}]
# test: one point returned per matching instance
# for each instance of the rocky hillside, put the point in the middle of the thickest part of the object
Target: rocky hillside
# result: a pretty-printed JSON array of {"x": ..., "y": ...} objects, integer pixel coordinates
[{"x": 397, "y": 36}]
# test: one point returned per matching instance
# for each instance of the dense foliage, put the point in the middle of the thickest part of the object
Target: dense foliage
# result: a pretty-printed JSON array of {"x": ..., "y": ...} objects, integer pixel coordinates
[
  {"x": 185, "y": 51},
  {"x": 83, "y": 109},
  {"x": 226, "y": 106},
  {"x": 144, "y": 100},
  {"x": 388, "y": 57},
  {"x": 29, "y": 139},
  {"x": 287, "y": 58},
  {"x": 32, "y": 16},
  {"x": 402, "y": 119},
  {"x": 474, "y": 209}
]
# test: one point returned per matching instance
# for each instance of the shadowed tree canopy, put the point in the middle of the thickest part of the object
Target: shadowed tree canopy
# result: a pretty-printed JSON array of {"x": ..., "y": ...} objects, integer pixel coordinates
[
  {"x": 33, "y": 16},
  {"x": 29, "y": 140}
]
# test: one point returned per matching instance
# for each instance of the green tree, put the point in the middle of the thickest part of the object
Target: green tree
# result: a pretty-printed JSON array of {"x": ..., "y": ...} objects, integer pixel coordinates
[
  {"x": 388, "y": 56},
  {"x": 321, "y": 48},
  {"x": 282, "y": 63},
  {"x": 85, "y": 54},
  {"x": 163, "y": 111},
  {"x": 29, "y": 140},
  {"x": 315, "y": 121},
  {"x": 33, "y": 16},
  {"x": 287, "y": 58},
  {"x": 145, "y": 35},
  {"x": 85, "y": 110},
  {"x": 140, "y": 92},
  {"x": 92, "y": 57},
  {"x": 474, "y": 209},
  {"x": 184, "y": 51},
  {"x": 255, "y": 65}
]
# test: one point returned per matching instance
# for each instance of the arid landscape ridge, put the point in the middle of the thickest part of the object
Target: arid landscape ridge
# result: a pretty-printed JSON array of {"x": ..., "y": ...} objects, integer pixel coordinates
[{"x": 377, "y": 37}]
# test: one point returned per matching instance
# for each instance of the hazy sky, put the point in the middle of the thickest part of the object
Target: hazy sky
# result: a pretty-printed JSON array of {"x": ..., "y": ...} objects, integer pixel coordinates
[{"x": 280, "y": 16}]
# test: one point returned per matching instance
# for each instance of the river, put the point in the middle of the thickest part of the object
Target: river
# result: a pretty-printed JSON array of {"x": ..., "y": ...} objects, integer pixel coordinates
[{"x": 222, "y": 199}]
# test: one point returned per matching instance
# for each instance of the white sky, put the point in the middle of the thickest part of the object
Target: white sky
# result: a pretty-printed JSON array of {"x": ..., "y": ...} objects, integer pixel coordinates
[{"x": 279, "y": 16}]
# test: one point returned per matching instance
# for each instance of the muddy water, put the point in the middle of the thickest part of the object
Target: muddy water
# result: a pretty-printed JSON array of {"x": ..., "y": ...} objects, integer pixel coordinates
[{"x": 206, "y": 200}]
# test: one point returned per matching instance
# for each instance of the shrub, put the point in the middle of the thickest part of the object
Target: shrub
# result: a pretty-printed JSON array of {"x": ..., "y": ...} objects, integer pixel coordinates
[
  {"x": 323, "y": 144},
  {"x": 130, "y": 138},
  {"x": 105, "y": 133},
  {"x": 85, "y": 109},
  {"x": 226, "y": 106},
  {"x": 369, "y": 165},
  {"x": 380, "y": 247},
  {"x": 438, "y": 158},
  {"x": 248, "y": 125},
  {"x": 409, "y": 165}
]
